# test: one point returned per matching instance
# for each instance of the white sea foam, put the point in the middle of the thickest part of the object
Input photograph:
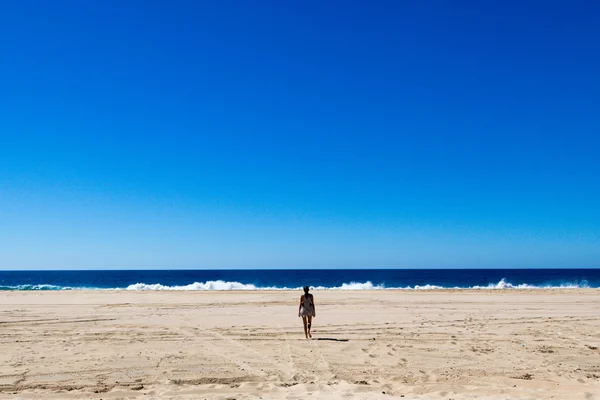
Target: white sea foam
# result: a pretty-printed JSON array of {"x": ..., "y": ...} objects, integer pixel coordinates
[
  {"x": 352, "y": 286},
  {"x": 503, "y": 284},
  {"x": 35, "y": 287},
  {"x": 425, "y": 287},
  {"x": 225, "y": 286},
  {"x": 209, "y": 285},
  {"x": 220, "y": 285}
]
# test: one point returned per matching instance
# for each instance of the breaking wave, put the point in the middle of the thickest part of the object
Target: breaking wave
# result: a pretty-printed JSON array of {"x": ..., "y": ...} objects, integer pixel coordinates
[
  {"x": 208, "y": 285},
  {"x": 35, "y": 287},
  {"x": 225, "y": 286},
  {"x": 220, "y": 285}
]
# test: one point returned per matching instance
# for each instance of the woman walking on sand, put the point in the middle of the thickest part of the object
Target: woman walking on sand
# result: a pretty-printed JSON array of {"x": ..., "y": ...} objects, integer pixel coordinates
[{"x": 307, "y": 311}]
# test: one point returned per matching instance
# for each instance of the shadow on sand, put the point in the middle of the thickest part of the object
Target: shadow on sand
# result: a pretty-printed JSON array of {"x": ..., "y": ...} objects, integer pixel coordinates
[{"x": 331, "y": 339}]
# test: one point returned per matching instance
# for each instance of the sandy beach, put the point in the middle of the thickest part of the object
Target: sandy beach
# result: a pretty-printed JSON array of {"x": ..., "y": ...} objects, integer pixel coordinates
[{"x": 496, "y": 344}]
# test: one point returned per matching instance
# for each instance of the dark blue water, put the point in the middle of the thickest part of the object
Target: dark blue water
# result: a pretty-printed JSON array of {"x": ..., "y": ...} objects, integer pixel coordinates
[{"x": 280, "y": 279}]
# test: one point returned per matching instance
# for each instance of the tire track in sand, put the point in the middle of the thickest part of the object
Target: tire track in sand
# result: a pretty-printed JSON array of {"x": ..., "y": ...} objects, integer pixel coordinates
[
  {"x": 323, "y": 367},
  {"x": 286, "y": 370},
  {"x": 219, "y": 352}
]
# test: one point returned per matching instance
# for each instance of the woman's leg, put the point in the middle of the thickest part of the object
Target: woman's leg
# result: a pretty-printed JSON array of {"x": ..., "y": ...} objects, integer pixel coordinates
[
  {"x": 309, "y": 322},
  {"x": 305, "y": 329}
]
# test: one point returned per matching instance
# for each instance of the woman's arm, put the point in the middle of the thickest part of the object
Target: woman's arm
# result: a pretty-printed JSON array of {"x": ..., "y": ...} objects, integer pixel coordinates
[
  {"x": 300, "y": 305},
  {"x": 314, "y": 307}
]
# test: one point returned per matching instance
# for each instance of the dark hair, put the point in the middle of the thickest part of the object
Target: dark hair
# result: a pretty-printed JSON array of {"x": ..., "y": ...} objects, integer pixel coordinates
[{"x": 306, "y": 289}]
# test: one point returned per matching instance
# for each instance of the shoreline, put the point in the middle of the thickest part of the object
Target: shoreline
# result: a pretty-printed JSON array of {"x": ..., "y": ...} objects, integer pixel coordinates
[{"x": 249, "y": 291}]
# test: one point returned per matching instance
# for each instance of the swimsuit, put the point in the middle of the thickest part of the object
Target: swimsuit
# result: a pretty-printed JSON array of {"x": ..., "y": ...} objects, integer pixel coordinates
[{"x": 307, "y": 309}]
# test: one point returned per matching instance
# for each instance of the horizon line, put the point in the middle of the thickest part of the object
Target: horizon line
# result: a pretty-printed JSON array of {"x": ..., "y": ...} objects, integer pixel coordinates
[{"x": 297, "y": 269}]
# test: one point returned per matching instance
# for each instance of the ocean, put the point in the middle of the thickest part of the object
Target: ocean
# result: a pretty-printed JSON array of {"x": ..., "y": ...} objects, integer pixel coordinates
[{"x": 320, "y": 279}]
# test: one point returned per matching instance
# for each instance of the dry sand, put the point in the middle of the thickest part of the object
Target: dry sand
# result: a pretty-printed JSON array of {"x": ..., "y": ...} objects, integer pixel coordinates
[{"x": 495, "y": 344}]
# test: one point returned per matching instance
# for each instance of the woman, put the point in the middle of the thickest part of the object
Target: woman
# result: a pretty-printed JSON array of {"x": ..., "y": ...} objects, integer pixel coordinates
[{"x": 307, "y": 311}]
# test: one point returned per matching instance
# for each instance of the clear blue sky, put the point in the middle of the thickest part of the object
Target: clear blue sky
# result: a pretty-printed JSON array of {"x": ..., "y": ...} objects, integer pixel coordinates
[{"x": 265, "y": 134}]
